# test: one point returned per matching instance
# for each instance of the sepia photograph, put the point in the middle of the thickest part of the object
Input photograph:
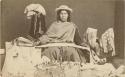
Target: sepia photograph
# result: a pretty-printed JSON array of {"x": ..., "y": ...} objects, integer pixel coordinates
[{"x": 62, "y": 38}]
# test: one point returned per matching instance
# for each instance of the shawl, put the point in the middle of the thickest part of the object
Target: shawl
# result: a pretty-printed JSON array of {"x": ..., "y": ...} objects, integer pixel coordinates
[{"x": 59, "y": 32}]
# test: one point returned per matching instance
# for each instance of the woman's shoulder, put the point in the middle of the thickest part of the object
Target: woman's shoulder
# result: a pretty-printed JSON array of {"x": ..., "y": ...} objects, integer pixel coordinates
[
  {"x": 53, "y": 23},
  {"x": 73, "y": 24}
]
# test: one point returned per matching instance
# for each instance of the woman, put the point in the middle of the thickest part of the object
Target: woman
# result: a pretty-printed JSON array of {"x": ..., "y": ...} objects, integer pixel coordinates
[{"x": 62, "y": 31}]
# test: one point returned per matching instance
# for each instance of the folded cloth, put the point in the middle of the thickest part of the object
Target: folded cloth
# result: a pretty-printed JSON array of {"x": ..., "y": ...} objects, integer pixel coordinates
[
  {"x": 91, "y": 36},
  {"x": 107, "y": 41},
  {"x": 21, "y": 41},
  {"x": 32, "y": 8}
]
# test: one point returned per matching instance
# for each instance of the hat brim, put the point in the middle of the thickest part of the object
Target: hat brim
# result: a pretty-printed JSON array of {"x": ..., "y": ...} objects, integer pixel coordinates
[{"x": 57, "y": 9}]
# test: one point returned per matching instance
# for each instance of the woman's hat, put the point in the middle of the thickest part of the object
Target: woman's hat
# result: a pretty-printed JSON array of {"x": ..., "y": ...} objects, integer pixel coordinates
[{"x": 65, "y": 7}]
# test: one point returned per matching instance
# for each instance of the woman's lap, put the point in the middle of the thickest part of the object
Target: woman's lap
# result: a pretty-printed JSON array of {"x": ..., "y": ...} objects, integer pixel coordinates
[{"x": 63, "y": 54}]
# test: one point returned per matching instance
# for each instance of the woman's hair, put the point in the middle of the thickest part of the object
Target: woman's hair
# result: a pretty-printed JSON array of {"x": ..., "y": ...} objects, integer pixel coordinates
[{"x": 69, "y": 15}]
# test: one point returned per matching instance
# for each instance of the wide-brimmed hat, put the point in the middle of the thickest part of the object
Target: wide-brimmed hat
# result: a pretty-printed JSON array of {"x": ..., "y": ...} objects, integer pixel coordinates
[{"x": 65, "y": 7}]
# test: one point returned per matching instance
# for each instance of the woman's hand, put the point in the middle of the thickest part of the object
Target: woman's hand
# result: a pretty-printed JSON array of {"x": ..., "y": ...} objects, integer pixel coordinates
[{"x": 37, "y": 42}]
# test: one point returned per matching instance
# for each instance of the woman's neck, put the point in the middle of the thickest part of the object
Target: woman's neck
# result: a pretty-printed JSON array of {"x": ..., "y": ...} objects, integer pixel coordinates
[{"x": 62, "y": 21}]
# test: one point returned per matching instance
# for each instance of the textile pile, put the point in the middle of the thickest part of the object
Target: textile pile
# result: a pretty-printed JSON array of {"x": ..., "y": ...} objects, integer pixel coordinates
[{"x": 27, "y": 62}]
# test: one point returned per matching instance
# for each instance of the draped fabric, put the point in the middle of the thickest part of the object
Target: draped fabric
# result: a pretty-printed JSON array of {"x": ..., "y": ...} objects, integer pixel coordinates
[
  {"x": 18, "y": 61},
  {"x": 37, "y": 25},
  {"x": 107, "y": 41},
  {"x": 27, "y": 62},
  {"x": 103, "y": 47},
  {"x": 77, "y": 38},
  {"x": 59, "y": 32}
]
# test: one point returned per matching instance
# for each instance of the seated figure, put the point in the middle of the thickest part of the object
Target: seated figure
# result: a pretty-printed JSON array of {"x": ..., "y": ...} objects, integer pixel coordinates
[{"x": 62, "y": 31}]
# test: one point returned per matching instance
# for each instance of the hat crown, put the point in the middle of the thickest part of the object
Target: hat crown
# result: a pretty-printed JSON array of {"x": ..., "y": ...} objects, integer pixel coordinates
[{"x": 63, "y": 7}]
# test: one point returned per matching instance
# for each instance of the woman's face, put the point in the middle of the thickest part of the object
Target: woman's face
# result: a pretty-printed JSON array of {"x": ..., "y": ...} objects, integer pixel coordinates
[{"x": 63, "y": 16}]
